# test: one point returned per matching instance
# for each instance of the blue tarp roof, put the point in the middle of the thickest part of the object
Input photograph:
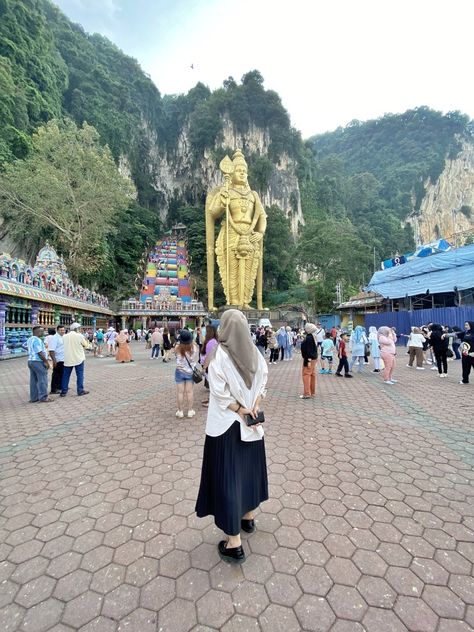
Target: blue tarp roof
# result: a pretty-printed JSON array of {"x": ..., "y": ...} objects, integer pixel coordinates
[{"x": 435, "y": 274}]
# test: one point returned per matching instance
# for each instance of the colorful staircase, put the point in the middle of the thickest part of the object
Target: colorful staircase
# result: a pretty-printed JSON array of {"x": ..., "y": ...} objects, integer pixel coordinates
[{"x": 167, "y": 273}]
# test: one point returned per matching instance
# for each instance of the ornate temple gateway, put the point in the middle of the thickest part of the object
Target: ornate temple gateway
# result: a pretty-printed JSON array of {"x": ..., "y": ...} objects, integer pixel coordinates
[
  {"x": 44, "y": 295},
  {"x": 165, "y": 296}
]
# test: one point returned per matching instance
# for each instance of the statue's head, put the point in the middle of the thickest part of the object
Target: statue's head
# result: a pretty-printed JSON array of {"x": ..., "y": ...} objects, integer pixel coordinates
[{"x": 239, "y": 175}]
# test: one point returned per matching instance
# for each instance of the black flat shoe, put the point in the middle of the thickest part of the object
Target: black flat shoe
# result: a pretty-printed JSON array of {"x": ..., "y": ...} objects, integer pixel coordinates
[
  {"x": 233, "y": 556},
  {"x": 247, "y": 525}
]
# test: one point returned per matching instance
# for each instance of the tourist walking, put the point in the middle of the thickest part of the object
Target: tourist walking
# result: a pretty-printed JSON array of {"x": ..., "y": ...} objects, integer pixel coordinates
[
  {"x": 289, "y": 344},
  {"x": 439, "y": 341},
  {"x": 319, "y": 336},
  {"x": 261, "y": 341},
  {"x": 309, "y": 353},
  {"x": 357, "y": 343},
  {"x": 342, "y": 355},
  {"x": 327, "y": 354},
  {"x": 38, "y": 366},
  {"x": 167, "y": 346},
  {"x": 467, "y": 350},
  {"x": 156, "y": 343},
  {"x": 234, "y": 472},
  {"x": 124, "y": 353},
  {"x": 99, "y": 339},
  {"x": 210, "y": 343},
  {"x": 74, "y": 358},
  {"x": 456, "y": 342},
  {"x": 388, "y": 352},
  {"x": 110, "y": 337},
  {"x": 56, "y": 353},
  {"x": 374, "y": 348},
  {"x": 273, "y": 346},
  {"x": 282, "y": 341},
  {"x": 415, "y": 344},
  {"x": 187, "y": 356}
]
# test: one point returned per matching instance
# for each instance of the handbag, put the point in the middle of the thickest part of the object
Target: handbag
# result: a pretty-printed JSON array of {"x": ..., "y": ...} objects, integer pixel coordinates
[
  {"x": 367, "y": 349},
  {"x": 449, "y": 353},
  {"x": 197, "y": 371}
]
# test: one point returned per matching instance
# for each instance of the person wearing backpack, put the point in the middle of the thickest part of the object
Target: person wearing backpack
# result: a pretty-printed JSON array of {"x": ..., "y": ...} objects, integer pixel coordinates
[{"x": 99, "y": 338}]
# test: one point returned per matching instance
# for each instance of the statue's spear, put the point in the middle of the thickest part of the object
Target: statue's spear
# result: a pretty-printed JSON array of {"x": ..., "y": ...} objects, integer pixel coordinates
[{"x": 227, "y": 168}]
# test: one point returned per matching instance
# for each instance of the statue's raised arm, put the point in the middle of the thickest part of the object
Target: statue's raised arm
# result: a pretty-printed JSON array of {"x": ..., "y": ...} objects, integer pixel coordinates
[{"x": 239, "y": 245}]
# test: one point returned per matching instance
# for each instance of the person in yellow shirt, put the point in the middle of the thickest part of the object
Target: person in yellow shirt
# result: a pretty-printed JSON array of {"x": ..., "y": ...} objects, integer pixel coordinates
[{"x": 74, "y": 358}]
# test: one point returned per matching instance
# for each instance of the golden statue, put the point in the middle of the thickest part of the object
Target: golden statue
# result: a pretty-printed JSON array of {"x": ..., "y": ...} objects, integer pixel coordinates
[{"x": 239, "y": 246}]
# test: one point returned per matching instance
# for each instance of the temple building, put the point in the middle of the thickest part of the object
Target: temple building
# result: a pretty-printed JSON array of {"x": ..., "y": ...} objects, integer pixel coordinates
[
  {"x": 166, "y": 297},
  {"x": 43, "y": 294}
]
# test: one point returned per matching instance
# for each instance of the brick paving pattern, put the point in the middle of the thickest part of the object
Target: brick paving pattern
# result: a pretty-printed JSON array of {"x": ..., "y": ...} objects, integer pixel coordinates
[{"x": 369, "y": 526}]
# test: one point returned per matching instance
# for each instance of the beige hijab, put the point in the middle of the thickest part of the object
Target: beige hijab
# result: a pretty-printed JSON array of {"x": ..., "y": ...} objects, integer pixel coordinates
[{"x": 235, "y": 339}]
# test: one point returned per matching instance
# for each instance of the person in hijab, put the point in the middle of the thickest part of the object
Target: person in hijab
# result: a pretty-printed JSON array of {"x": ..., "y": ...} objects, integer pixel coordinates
[
  {"x": 309, "y": 352},
  {"x": 357, "y": 342},
  {"x": 439, "y": 340},
  {"x": 374, "y": 348},
  {"x": 282, "y": 340},
  {"x": 123, "y": 352},
  {"x": 234, "y": 471},
  {"x": 388, "y": 352},
  {"x": 467, "y": 350}
]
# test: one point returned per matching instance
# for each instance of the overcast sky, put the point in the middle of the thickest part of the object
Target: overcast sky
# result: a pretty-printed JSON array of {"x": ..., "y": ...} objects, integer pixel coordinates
[{"x": 331, "y": 62}]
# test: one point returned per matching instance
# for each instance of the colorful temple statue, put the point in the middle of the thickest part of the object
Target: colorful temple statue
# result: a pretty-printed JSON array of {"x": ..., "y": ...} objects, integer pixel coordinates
[{"x": 239, "y": 246}]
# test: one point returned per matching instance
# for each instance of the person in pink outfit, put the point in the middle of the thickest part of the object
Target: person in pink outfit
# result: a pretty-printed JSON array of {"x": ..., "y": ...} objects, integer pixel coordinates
[{"x": 387, "y": 339}]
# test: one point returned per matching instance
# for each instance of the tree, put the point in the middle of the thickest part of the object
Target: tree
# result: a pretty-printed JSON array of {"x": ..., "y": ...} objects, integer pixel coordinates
[{"x": 69, "y": 190}]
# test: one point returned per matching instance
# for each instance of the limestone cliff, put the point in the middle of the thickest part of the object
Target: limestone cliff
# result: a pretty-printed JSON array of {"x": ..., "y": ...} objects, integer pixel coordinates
[
  {"x": 447, "y": 208},
  {"x": 180, "y": 175}
]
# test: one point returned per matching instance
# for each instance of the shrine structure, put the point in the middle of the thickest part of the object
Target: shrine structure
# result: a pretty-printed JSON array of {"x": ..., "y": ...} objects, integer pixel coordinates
[
  {"x": 166, "y": 297},
  {"x": 45, "y": 295}
]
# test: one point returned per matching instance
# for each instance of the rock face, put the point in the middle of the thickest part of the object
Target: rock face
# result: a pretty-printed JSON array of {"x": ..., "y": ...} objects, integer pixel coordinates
[
  {"x": 180, "y": 175},
  {"x": 445, "y": 209}
]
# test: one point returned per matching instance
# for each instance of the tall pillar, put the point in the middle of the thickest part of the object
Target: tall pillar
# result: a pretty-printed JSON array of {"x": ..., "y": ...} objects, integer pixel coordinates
[
  {"x": 57, "y": 315},
  {"x": 143, "y": 323},
  {"x": 3, "y": 310},
  {"x": 34, "y": 314},
  {"x": 94, "y": 323},
  {"x": 123, "y": 323}
]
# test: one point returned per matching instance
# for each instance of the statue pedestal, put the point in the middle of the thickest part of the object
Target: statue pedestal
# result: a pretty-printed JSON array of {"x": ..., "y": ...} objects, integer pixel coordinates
[{"x": 252, "y": 315}]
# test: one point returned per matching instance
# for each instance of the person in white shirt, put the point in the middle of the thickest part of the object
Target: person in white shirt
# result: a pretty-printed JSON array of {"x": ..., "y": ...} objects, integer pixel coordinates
[
  {"x": 74, "y": 358},
  {"x": 234, "y": 472},
  {"x": 415, "y": 348},
  {"x": 56, "y": 353},
  {"x": 110, "y": 337}
]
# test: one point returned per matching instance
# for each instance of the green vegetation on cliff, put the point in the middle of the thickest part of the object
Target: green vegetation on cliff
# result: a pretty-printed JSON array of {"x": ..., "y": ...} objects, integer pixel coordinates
[{"x": 357, "y": 184}]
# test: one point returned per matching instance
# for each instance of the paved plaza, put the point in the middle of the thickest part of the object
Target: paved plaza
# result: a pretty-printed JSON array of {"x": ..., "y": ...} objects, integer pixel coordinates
[{"x": 369, "y": 526}]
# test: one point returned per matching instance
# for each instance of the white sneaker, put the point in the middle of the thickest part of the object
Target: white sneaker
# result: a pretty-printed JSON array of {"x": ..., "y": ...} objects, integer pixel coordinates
[
  {"x": 393, "y": 381},
  {"x": 191, "y": 413},
  {"x": 388, "y": 382},
  {"x": 434, "y": 368},
  {"x": 461, "y": 382},
  {"x": 420, "y": 368},
  {"x": 180, "y": 414},
  {"x": 410, "y": 366}
]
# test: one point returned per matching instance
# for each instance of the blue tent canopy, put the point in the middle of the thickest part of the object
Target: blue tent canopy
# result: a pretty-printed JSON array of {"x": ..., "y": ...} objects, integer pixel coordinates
[{"x": 443, "y": 272}]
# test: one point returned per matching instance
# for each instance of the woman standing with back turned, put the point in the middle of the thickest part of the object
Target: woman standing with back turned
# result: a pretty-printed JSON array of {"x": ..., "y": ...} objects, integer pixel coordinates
[{"x": 234, "y": 471}]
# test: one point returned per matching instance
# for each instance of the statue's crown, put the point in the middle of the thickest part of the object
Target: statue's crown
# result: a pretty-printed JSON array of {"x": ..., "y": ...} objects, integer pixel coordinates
[{"x": 238, "y": 158}]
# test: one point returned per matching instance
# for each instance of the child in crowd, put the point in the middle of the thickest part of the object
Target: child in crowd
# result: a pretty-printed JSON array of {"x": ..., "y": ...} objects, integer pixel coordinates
[
  {"x": 342, "y": 354},
  {"x": 327, "y": 351}
]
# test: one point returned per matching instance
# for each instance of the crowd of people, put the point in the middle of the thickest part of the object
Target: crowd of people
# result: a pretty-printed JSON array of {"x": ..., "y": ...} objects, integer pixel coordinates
[
  {"x": 432, "y": 345},
  {"x": 334, "y": 351},
  {"x": 233, "y": 363}
]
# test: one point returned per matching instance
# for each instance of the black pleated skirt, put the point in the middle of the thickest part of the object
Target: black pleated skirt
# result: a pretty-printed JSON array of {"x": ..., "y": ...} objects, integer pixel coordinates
[{"x": 233, "y": 479}]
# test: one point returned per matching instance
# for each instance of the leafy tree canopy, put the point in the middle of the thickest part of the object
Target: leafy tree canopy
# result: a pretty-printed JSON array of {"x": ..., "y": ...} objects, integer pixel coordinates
[{"x": 69, "y": 190}]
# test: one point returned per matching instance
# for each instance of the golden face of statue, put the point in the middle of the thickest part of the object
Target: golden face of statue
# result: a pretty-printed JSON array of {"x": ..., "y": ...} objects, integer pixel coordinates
[{"x": 239, "y": 176}]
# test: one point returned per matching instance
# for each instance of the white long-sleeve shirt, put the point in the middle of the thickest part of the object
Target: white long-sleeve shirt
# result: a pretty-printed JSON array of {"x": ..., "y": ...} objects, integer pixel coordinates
[{"x": 226, "y": 386}]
